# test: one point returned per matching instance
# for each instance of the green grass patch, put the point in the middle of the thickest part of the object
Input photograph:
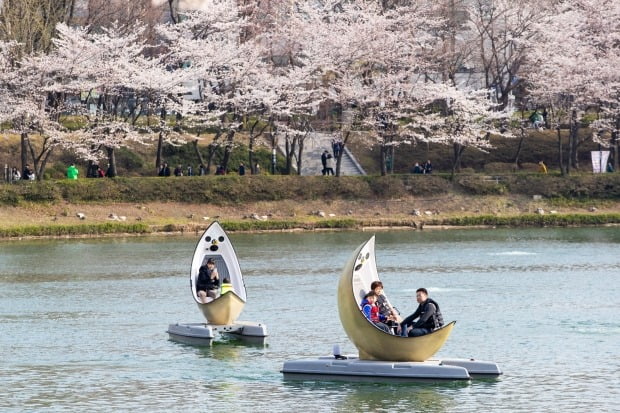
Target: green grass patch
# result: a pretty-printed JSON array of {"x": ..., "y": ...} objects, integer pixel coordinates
[
  {"x": 73, "y": 230},
  {"x": 531, "y": 220},
  {"x": 234, "y": 189}
]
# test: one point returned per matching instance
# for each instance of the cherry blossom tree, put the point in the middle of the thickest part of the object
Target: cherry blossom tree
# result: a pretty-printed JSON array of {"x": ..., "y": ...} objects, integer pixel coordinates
[
  {"x": 459, "y": 117},
  {"x": 27, "y": 109},
  {"x": 116, "y": 84},
  {"x": 368, "y": 54},
  {"x": 225, "y": 63},
  {"x": 573, "y": 67},
  {"x": 504, "y": 32}
]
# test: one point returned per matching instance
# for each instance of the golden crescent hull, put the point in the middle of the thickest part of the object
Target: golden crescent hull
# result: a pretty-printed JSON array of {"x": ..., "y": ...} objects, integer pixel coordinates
[
  {"x": 223, "y": 310},
  {"x": 371, "y": 342}
]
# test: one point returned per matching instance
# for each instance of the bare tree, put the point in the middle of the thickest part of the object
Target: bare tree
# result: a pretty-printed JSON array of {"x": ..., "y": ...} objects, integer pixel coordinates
[{"x": 32, "y": 23}]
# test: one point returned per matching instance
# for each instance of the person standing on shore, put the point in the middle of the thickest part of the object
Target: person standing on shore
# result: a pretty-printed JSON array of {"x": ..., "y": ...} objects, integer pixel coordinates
[
  {"x": 542, "y": 168},
  {"x": 27, "y": 175},
  {"x": 72, "y": 172}
]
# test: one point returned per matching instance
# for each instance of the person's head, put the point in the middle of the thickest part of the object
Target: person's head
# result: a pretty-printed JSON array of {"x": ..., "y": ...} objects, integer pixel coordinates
[
  {"x": 210, "y": 263},
  {"x": 226, "y": 280},
  {"x": 377, "y": 287},
  {"x": 371, "y": 297},
  {"x": 421, "y": 295}
]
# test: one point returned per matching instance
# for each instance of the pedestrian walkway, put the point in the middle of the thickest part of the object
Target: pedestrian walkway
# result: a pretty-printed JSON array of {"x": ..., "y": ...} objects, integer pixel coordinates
[{"x": 314, "y": 146}]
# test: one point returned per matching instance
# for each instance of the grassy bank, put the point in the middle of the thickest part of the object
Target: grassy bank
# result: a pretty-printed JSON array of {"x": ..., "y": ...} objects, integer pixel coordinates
[
  {"x": 231, "y": 190},
  {"x": 95, "y": 207}
]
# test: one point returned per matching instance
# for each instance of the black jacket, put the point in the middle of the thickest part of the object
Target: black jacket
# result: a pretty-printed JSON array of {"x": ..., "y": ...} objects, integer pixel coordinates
[
  {"x": 204, "y": 281},
  {"x": 429, "y": 316}
]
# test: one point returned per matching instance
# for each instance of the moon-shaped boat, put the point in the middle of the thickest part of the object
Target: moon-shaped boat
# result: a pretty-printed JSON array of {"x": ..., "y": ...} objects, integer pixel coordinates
[
  {"x": 372, "y": 342},
  {"x": 214, "y": 244}
]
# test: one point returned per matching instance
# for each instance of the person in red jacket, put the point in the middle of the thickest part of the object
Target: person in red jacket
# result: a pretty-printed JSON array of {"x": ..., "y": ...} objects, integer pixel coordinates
[{"x": 371, "y": 311}]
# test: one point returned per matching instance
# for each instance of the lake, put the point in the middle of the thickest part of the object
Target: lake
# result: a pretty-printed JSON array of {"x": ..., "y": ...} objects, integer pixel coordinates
[{"x": 83, "y": 322}]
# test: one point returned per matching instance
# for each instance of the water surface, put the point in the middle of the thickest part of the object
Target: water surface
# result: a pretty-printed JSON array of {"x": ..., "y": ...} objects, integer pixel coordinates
[{"x": 83, "y": 322}]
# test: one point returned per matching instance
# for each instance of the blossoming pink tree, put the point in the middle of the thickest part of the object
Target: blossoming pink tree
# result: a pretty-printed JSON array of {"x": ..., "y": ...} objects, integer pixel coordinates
[{"x": 574, "y": 68}]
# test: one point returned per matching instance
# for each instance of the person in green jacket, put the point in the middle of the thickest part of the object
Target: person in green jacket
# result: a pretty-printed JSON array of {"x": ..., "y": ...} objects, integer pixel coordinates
[{"x": 72, "y": 172}]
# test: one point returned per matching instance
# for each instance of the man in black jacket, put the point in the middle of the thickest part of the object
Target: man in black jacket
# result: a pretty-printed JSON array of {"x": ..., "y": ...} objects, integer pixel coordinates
[{"x": 428, "y": 315}]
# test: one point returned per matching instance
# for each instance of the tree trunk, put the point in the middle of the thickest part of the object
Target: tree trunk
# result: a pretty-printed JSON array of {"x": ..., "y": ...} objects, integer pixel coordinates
[
  {"x": 160, "y": 146},
  {"x": 212, "y": 150},
  {"x": 251, "y": 155},
  {"x": 24, "y": 149},
  {"x": 572, "y": 136},
  {"x": 172, "y": 8},
  {"x": 614, "y": 144},
  {"x": 201, "y": 161},
  {"x": 160, "y": 140},
  {"x": 300, "y": 152},
  {"x": 383, "y": 163},
  {"x": 228, "y": 149},
  {"x": 111, "y": 161},
  {"x": 345, "y": 140},
  {"x": 458, "y": 150},
  {"x": 560, "y": 155},
  {"x": 339, "y": 161},
  {"x": 43, "y": 164},
  {"x": 519, "y": 148}
]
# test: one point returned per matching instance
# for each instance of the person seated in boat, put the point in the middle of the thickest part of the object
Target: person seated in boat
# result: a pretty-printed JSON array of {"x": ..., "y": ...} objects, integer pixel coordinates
[
  {"x": 371, "y": 311},
  {"x": 389, "y": 313},
  {"x": 207, "y": 282},
  {"x": 428, "y": 316},
  {"x": 226, "y": 286}
]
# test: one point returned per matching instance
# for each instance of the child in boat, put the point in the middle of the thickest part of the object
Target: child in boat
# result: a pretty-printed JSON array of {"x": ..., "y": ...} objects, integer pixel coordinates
[
  {"x": 207, "y": 282},
  {"x": 371, "y": 311}
]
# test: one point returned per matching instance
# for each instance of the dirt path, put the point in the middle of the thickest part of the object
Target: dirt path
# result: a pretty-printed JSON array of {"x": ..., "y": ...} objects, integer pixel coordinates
[{"x": 195, "y": 214}]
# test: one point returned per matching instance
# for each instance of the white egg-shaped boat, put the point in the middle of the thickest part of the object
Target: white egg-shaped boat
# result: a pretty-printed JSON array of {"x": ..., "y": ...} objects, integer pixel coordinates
[{"x": 214, "y": 244}]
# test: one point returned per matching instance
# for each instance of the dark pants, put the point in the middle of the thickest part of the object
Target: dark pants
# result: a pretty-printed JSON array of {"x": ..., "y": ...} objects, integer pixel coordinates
[
  {"x": 415, "y": 332},
  {"x": 382, "y": 326}
]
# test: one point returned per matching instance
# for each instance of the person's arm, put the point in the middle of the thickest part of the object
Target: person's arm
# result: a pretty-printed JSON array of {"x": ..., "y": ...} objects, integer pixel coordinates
[
  {"x": 214, "y": 274},
  {"x": 367, "y": 310},
  {"x": 408, "y": 320},
  {"x": 200, "y": 281},
  {"x": 430, "y": 311}
]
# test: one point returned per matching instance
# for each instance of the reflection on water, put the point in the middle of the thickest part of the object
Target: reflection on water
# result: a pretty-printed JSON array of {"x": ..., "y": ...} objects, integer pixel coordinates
[
  {"x": 83, "y": 322},
  {"x": 372, "y": 397}
]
